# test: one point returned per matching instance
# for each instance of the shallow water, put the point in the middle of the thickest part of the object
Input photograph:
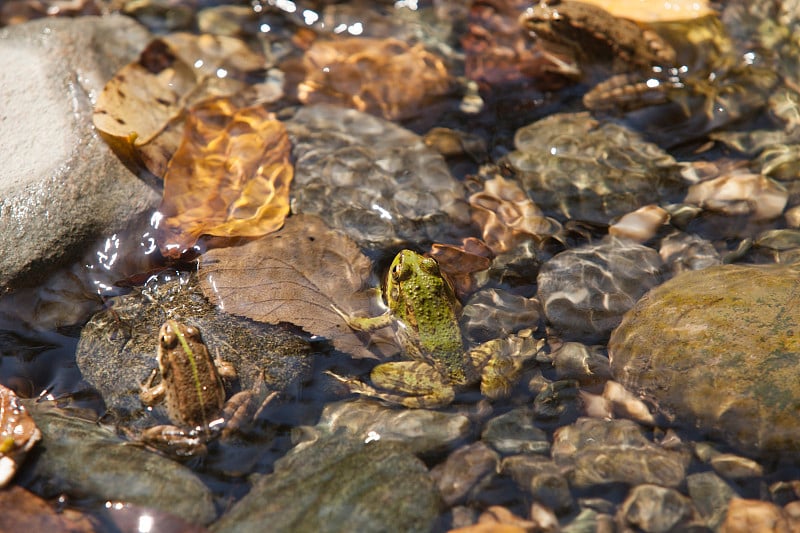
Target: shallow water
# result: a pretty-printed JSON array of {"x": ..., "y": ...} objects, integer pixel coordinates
[{"x": 39, "y": 327}]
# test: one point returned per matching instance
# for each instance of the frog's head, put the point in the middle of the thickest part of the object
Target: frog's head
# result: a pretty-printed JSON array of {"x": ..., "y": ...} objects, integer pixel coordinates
[
  {"x": 407, "y": 267},
  {"x": 415, "y": 285}
]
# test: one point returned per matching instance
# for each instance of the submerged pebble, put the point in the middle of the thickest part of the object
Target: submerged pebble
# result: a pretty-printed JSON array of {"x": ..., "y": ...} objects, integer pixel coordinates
[{"x": 585, "y": 291}]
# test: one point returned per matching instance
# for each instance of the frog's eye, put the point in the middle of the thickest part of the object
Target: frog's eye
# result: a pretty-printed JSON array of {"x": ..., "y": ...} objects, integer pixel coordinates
[
  {"x": 191, "y": 332},
  {"x": 430, "y": 266},
  {"x": 401, "y": 271},
  {"x": 169, "y": 340}
]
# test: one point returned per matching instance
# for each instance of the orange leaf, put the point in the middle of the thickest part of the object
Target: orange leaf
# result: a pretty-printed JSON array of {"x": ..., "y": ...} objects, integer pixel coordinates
[
  {"x": 140, "y": 111},
  {"x": 230, "y": 177}
]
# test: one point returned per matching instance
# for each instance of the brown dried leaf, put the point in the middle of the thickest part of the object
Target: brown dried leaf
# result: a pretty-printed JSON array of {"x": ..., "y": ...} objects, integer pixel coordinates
[
  {"x": 140, "y": 110},
  {"x": 229, "y": 178},
  {"x": 21, "y": 510},
  {"x": 460, "y": 262},
  {"x": 506, "y": 215},
  {"x": 384, "y": 77},
  {"x": 293, "y": 276}
]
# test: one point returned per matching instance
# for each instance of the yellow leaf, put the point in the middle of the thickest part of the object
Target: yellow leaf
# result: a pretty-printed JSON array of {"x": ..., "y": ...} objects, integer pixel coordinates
[{"x": 229, "y": 177}]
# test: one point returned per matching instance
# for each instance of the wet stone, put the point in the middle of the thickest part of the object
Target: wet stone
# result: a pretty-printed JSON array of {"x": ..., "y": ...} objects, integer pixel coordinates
[
  {"x": 587, "y": 521},
  {"x": 585, "y": 291},
  {"x": 718, "y": 348},
  {"x": 60, "y": 184},
  {"x": 608, "y": 451},
  {"x": 681, "y": 252},
  {"x": 340, "y": 484},
  {"x": 552, "y": 491},
  {"x": 462, "y": 471},
  {"x": 524, "y": 467},
  {"x": 654, "y": 509},
  {"x": 79, "y": 457},
  {"x": 515, "y": 432},
  {"x": 418, "y": 430},
  {"x": 558, "y": 403},
  {"x": 376, "y": 181},
  {"x": 495, "y": 313},
  {"x": 746, "y": 516},
  {"x": 710, "y": 495},
  {"x": 731, "y": 466},
  {"x": 118, "y": 346},
  {"x": 575, "y": 167},
  {"x": 587, "y": 364}
]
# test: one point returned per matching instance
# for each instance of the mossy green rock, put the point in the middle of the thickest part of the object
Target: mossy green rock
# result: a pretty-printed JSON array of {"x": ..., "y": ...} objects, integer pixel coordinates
[{"x": 720, "y": 349}]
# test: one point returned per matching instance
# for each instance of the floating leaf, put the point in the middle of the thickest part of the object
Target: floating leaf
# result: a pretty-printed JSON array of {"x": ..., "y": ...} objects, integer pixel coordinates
[
  {"x": 140, "y": 110},
  {"x": 294, "y": 276},
  {"x": 384, "y": 77},
  {"x": 229, "y": 178}
]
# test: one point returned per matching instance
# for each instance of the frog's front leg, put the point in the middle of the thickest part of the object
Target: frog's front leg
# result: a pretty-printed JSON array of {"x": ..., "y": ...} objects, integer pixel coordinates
[
  {"x": 367, "y": 324},
  {"x": 149, "y": 394},
  {"x": 174, "y": 441},
  {"x": 413, "y": 384}
]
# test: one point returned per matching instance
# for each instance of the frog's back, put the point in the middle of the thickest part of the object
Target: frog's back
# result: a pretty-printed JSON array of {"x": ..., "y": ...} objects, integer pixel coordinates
[{"x": 190, "y": 403}]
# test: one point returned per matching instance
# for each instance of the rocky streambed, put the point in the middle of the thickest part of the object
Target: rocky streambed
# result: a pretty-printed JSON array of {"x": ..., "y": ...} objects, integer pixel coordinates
[{"x": 629, "y": 246}]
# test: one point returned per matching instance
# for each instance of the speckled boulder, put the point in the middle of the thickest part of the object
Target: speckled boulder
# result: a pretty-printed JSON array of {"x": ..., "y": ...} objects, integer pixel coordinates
[{"x": 720, "y": 348}]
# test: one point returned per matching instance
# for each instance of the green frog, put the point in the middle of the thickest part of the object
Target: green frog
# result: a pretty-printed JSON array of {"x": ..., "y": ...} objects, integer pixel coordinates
[
  {"x": 424, "y": 311},
  {"x": 192, "y": 388}
]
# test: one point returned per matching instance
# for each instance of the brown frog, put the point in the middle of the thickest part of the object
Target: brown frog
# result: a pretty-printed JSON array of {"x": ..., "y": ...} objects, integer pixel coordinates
[
  {"x": 633, "y": 64},
  {"x": 192, "y": 388},
  {"x": 595, "y": 36}
]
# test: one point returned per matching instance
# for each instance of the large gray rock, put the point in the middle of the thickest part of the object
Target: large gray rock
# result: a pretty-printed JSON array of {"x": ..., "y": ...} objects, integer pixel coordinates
[{"x": 60, "y": 185}]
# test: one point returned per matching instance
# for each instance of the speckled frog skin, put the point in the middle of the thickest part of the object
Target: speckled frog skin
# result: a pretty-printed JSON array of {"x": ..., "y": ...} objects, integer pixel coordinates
[{"x": 424, "y": 311}]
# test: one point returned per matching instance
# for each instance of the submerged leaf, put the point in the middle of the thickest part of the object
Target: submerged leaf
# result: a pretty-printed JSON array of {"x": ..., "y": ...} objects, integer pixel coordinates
[
  {"x": 229, "y": 178},
  {"x": 140, "y": 110},
  {"x": 506, "y": 215},
  {"x": 459, "y": 263},
  {"x": 384, "y": 77},
  {"x": 294, "y": 276}
]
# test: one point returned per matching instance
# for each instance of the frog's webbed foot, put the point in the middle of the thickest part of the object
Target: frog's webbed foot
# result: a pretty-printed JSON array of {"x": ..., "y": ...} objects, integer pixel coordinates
[
  {"x": 502, "y": 362},
  {"x": 174, "y": 441},
  {"x": 150, "y": 394},
  {"x": 413, "y": 391},
  {"x": 240, "y": 410}
]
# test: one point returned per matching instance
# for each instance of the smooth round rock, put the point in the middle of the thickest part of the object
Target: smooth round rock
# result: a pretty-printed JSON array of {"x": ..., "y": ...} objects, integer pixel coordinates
[
  {"x": 61, "y": 187},
  {"x": 118, "y": 346},
  {"x": 585, "y": 291},
  {"x": 718, "y": 349},
  {"x": 340, "y": 484},
  {"x": 575, "y": 167}
]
